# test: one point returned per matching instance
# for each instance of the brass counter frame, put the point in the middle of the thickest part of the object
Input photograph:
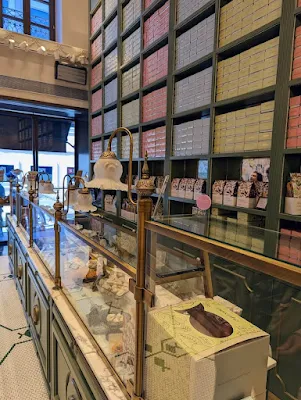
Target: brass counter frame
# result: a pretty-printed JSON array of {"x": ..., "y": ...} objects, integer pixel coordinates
[{"x": 272, "y": 267}]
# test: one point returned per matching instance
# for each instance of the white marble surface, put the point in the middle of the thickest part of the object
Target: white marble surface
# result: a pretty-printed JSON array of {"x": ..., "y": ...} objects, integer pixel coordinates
[{"x": 104, "y": 376}]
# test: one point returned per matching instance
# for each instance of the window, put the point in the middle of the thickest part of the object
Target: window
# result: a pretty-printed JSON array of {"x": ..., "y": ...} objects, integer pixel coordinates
[{"x": 33, "y": 17}]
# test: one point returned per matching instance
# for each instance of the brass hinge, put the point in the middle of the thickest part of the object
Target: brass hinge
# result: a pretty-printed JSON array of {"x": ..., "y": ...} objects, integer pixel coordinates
[
  {"x": 141, "y": 294},
  {"x": 130, "y": 389}
]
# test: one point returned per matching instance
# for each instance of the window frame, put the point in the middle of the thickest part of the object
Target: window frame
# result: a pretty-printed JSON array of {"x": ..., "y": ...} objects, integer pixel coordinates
[{"x": 26, "y": 18}]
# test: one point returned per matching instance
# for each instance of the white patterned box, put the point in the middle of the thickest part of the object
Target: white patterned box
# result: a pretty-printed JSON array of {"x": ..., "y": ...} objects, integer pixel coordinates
[
  {"x": 131, "y": 46},
  {"x": 131, "y": 80},
  {"x": 110, "y": 121},
  {"x": 111, "y": 32},
  {"x": 130, "y": 13},
  {"x": 130, "y": 113},
  {"x": 111, "y": 62},
  {"x": 111, "y": 92},
  {"x": 196, "y": 349}
]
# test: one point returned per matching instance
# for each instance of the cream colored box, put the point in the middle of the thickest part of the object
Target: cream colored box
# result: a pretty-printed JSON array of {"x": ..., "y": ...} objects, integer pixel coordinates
[
  {"x": 264, "y": 145},
  {"x": 266, "y": 126},
  {"x": 252, "y": 110},
  {"x": 269, "y": 81},
  {"x": 251, "y": 146},
  {"x": 267, "y": 116},
  {"x": 239, "y": 147},
  {"x": 185, "y": 360},
  {"x": 259, "y": 4},
  {"x": 268, "y": 106},
  {"x": 254, "y": 128}
]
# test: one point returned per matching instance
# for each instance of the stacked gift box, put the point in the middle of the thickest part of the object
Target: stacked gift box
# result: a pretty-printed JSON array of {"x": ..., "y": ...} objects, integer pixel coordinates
[
  {"x": 156, "y": 25},
  {"x": 96, "y": 74},
  {"x": 96, "y": 150},
  {"x": 191, "y": 138},
  {"x": 111, "y": 32},
  {"x": 96, "y": 48},
  {"x": 96, "y": 20},
  {"x": 186, "y": 8},
  {"x": 96, "y": 126},
  {"x": 130, "y": 13},
  {"x": 111, "y": 62},
  {"x": 248, "y": 71},
  {"x": 111, "y": 92},
  {"x": 244, "y": 231},
  {"x": 110, "y": 120},
  {"x": 294, "y": 123},
  {"x": 155, "y": 66},
  {"x": 238, "y": 18},
  {"x": 125, "y": 146},
  {"x": 96, "y": 100},
  {"x": 188, "y": 188},
  {"x": 131, "y": 80},
  {"x": 154, "y": 105},
  {"x": 110, "y": 5},
  {"x": 244, "y": 130},
  {"x": 130, "y": 113},
  {"x": 193, "y": 91},
  {"x": 296, "y": 72},
  {"x": 131, "y": 46},
  {"x": 154, "y": 142},
  {"x": 290, "y": 246},
  {"x": 195, "y": 43},
  {"x": 113, "y": 145}
]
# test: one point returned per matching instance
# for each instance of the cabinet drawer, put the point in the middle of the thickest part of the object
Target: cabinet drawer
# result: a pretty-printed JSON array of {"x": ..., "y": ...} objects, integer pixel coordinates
[
  {"x": 39, "y": 317},
  {"x": 68, "y": 382}
]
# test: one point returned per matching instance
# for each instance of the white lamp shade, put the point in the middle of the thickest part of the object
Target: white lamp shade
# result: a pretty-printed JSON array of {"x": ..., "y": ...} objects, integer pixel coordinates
[
  {"x": 107, "y": 173},
  {"x": 46, "y": 187},
  {"x": 72, "y": 194},
  {"x": 84, "y": 201}
]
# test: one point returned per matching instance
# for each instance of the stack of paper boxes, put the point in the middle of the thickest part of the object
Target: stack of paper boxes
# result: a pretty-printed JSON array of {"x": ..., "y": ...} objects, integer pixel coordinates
[
  {"x": 193, "y": 91},
  {"x": 131, "y": 46},
  {"x": 110, "y": 120},
  {"x": 191, "y": 138},
  {"x": 131, "y": 80},
  {"x": 96, "y": 20},
  {"x": 195, "y": 43},
  {"x": 111, "y": 62},
  {"x": 96, "y": 74},
  {"x": 96, "y": 48},
  {"x": 110, "y": 6},
  {"x": 294, "y": 123},
  {"x": 243, "y": 231},
  {"x": 240, "y": 17},
  {"x": 96, "y": 100},
  {"x": 111, "y": 92},
  {"x": 111, "y": 32},
  {"x": 248, "y": 71},
  {"x": 296, "y": 73},
  {"x": 130, "y": 13},
  {"x": 290, "y": 246},
  {"x": 156, "y": 25},
  {"x": 154, "y": 105},
  {"x": 96, "y": 150},
  {"x": 155, "y": 66},
  {"x": 244, "y": 130},
  {"x": 186, "y": 8},
  {"x": 125, "y": 146},
  {"x": 130, "y": 113},
  {"x": 96, "y": 126},
  {"x": 154, "y": 142}
]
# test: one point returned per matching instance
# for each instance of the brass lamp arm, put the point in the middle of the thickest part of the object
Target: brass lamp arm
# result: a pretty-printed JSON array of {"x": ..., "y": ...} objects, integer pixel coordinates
[{"x": 130, "y": 177}]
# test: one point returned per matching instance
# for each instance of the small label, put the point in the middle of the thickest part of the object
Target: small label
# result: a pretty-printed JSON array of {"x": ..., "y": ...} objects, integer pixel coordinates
[{"x": 203, "y": 202}]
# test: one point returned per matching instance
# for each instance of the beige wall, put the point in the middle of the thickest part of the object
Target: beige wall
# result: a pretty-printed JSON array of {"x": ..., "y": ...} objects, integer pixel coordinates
[{"x": 72, "y": 18}]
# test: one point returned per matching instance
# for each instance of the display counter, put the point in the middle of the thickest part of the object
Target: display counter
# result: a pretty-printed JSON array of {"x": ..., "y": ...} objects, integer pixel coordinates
[{"x": 76, "y": 277}]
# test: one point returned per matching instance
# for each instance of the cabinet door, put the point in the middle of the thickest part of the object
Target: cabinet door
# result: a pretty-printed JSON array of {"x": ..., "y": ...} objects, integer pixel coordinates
[
  {"x": 11, "y": 249},
  {"x": 39, "y": 311},
  {"x": 21, "y": 274},
  {"x": 68, "y": 382}
]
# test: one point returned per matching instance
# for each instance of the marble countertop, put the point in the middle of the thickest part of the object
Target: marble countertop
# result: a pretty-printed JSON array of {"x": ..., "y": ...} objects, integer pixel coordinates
[{"x": 103, "y": 374}]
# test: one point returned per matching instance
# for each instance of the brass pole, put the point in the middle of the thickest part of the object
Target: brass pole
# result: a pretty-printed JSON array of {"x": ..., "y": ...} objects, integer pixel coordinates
[
  {"x": 58, "y": 206},
  {"x": 31, "y": 193},
  {"x": 144, "y": 214},
  {"x": 11, "y": 196},
  {"x": 18, "y": 205}
]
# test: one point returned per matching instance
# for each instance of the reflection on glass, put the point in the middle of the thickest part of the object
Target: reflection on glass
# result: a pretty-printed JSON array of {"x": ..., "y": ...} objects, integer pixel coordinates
[
  {"x": 39, "y": 32},
  {"x": 13, "y": 25},
  {"x": 106, "y": 306},
  {"x": 39, "y": 12}
]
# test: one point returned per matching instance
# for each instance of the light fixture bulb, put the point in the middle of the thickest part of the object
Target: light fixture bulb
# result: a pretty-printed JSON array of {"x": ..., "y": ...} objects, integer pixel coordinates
[
  {"x": 72, "y": 193},
  {"x": 11, "y": 43},
  {"x": 84, "y": 201},
  {"x": 42, "y": 50}
]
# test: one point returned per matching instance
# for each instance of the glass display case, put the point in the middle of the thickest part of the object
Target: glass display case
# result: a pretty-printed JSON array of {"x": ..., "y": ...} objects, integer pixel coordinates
[{"x": 188, "y": 261}]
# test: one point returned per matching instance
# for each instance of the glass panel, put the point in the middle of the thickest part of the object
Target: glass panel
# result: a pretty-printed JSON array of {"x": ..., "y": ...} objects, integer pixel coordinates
[
  {"x": 24, "y": 217},
  {"x": 39, "y": 32},
  {"x": 56, "y": 155},
  {"x": 105, "y": 306},
  {"x": 39, "y": 13},
  {"x": 13, "y": 8},
  {"x": 13, "y": 25},
  {"x": 43, "y": 237}
]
